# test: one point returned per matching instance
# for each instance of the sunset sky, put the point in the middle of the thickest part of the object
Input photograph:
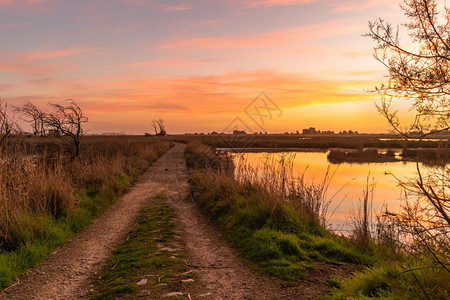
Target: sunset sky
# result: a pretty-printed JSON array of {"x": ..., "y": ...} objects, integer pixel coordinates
[{"x": 197, "y": 64}]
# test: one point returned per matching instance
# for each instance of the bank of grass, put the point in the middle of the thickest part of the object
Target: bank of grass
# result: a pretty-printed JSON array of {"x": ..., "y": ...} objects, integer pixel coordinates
[
  {"x": 151, "y": 255},
  {"x": 283, "y": 238},
  {"x": 45, "y": 199},
  {"x": 389, "y": 279}
]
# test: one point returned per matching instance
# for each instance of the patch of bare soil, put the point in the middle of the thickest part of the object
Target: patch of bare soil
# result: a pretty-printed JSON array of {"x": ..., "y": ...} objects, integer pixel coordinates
[{"x": 218, "y": 270}]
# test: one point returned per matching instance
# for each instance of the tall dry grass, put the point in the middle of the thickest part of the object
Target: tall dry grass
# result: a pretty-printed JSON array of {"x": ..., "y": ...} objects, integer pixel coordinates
[
  {"x": 39, "y": 180},
  {"x": 276, "y": 175}
]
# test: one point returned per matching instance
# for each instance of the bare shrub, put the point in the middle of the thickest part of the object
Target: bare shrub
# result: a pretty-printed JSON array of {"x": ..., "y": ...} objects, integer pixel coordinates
[
  {"x": 419, "y": 74},
  {"x": 34, "y": 116},
  {"x": 159, "y": 126},
  {"x": 68, "y": 120}
]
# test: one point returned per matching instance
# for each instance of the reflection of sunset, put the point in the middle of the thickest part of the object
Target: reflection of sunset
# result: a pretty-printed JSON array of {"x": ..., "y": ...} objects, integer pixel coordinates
[
  {"x": 351, "y": 178},
  {"x": 197, "y": 65}
]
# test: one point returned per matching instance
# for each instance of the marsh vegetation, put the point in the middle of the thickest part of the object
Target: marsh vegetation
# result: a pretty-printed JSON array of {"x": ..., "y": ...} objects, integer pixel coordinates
[{"x": 46, "y": 196}]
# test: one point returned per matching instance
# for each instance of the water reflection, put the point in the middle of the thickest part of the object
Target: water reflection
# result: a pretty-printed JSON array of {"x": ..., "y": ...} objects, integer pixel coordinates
[{"x": 352, "y": 176}]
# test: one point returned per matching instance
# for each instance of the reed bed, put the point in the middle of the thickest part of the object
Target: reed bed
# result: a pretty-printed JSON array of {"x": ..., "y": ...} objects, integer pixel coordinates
[
  {"x": 45, "y": 196},
  {"x": 276, "y": 174}
]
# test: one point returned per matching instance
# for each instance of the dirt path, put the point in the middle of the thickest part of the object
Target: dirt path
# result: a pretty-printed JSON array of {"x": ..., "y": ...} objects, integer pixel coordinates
[
  {"x": 222, "y": 274},
  {"x": 219, "y": 271}
]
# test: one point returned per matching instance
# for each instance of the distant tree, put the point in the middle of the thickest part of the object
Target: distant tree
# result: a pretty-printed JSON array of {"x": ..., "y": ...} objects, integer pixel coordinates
[
  {"x": 419, "y": 72},
  {"x": 159, "y": 127},
  {"x": 34, "y": 116},
  {"x": 69, "y": 121}
]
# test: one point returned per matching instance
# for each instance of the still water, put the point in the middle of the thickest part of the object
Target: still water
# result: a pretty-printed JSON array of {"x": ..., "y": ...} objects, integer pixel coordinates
[{"x": 351, "y": 178}]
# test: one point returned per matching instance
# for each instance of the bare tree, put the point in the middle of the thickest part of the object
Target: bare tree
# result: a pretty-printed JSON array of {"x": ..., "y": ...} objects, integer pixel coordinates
[
  {"x": 159, "y": 127},
  {"x": 34, "y": 116},
  {"x": 68, "y": 120},
  {"x": 420, "y": 74}
]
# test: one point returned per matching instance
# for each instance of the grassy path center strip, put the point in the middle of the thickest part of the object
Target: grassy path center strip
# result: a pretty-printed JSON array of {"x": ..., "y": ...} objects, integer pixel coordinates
[{"x": 150, "y": 263}]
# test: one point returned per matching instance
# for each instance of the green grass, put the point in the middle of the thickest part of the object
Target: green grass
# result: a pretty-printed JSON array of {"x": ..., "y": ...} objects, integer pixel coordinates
[
  {"x": 277, "y": 239},
  {"x": 45, "y": 233},
  {"x": 42, "y": 234},
  {"x": 396, "y": 280},
  {"x": 151, "y": 251}
]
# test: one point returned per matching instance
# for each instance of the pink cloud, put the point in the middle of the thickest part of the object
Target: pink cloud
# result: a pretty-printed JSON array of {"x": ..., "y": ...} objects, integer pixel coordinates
[
  {"x": 5, "y": 87},
  {"x": 40, "y": 5},
  {"x": 269, "y": 3},
  {"x": 363, "y": 5},
  {"x": 180, "y": 6},
  {"x": 23, "y": 2},
  {"x": 58, "y": 53},
  {"x": 286, "y": 37}
]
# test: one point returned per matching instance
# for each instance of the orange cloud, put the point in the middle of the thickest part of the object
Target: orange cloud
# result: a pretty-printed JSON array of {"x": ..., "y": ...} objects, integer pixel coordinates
[
  {"x": 202, "y": 95},
  {"x": 204, "y": 103},
  {"x": 58, "y": 53},
  {"x": 168, "y": 62}
]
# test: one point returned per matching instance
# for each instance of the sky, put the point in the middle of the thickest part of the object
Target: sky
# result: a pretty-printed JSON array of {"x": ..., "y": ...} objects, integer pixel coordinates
[{"x": 200, "y": 65}]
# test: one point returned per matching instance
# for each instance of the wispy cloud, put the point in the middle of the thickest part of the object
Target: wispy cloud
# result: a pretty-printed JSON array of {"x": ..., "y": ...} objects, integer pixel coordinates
[
  {"x": 31, "y": 68},
  {"x": 36, "y": 5},
  {"x": 22, "y": 2},
  {"x": 168, "y": 62},
  {"x": 270, "y": 3},
  {"x": 332, "y": 28},
  {"x": 161, "y": 5},
  {"x": 352, "y": 5},
  {"x": 4, "y": 87},
  {"x": 73, "y": 50}
]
